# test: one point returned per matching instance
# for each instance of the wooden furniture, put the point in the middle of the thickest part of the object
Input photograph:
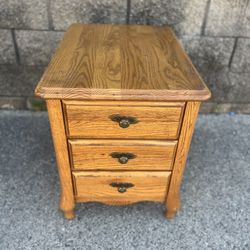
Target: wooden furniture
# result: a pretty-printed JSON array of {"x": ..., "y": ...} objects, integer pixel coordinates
[{"x": 122, "y": 103}]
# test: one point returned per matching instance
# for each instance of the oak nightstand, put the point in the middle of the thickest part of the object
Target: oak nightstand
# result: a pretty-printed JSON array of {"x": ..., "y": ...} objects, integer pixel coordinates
[{"x": 122, "y": 103}]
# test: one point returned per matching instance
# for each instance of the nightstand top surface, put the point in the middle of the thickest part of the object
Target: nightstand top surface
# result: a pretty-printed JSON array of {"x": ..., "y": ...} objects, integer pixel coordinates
[{"x": 121, "y": 62}]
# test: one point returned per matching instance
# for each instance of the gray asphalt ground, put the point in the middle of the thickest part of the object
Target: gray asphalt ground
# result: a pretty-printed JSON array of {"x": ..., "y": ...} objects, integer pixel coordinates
[{"x": 215, "y": 194}]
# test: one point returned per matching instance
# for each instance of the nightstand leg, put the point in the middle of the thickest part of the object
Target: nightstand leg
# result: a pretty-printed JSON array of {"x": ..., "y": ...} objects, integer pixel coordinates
[
  {"x": 173, "y": 197},
  {"x": 172, "y": 207},
  {"x": 69, "y": 214},
  {"x": 67, "y": 206},
  {"x": 67, "y": 201},
  {"x": 170, "y": 214}
]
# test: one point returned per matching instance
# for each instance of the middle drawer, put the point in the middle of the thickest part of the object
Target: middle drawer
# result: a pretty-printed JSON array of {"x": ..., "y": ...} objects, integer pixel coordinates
[{"x": 122, "y": 154}]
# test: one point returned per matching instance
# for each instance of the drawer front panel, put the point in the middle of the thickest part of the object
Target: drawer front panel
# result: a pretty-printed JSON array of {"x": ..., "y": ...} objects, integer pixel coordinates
[
  {"x": 122, "y": 154},
  {"x": 121, "y": 187},
  {"x": 123, "y": 122}
]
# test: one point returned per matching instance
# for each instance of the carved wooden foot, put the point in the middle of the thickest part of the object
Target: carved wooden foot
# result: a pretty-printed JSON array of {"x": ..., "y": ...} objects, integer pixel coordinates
[
  {"x": 67, "y": 206},
  {"x": 172, "y": 206},
  {"x": 170, "y": 214},
  {"x": 69, "y": 214}
]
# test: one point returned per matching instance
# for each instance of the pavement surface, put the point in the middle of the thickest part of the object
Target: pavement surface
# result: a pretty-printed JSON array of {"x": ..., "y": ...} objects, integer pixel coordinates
[{"x": 215, "y": 210}]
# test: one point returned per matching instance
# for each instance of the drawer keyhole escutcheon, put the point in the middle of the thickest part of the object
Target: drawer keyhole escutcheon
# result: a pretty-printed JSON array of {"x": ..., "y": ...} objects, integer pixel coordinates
[
  {"x": 123, "y": 157},
  {"x": 121, "y": 186},
  {"x": 124, "y": 121}
]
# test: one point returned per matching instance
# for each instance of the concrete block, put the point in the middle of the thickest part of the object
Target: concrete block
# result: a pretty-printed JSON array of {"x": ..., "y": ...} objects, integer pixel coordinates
[
  {"x": 7, "y": 51},
  {"x": 37, "y": 47},
  {"x": 19, "y": 81},
  {"x": 66, "y": 12},
  {"x": 12, "y": 103},
  {"x": 24, "y": 14},
  {"x": 239, "y": 88},
  {"x": 207, "y": 52},
  {"x": 241, "y": 58},
  {"x": 228, "y": 18},
  {"x": 184, "y": 16},
  {"x": 241, "y": 108},
  {"x": 227, "y": 87}
]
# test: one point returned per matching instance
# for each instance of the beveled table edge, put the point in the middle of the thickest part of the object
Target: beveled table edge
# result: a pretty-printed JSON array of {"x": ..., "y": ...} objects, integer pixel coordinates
[{"x": 124, "y": 94}]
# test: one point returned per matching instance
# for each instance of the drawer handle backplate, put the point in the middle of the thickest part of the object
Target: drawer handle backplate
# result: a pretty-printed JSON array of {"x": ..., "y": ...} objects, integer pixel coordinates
[
  {"x": 121, "y": 186},
  {"x": 124, "y": 121},
  {"x": 123, "y": 157}
]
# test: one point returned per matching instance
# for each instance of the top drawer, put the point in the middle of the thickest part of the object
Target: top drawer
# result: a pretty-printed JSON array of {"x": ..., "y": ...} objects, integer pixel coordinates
[{"x": 123, "y": 120}]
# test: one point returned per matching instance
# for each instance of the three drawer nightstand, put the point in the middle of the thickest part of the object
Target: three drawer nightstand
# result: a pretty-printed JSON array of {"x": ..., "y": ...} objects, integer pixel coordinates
[{"x": 122, "y": 103}]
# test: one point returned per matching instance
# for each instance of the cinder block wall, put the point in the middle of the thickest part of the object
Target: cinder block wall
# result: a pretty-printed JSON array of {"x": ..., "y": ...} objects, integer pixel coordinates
[{"x": 215, "y": 33}]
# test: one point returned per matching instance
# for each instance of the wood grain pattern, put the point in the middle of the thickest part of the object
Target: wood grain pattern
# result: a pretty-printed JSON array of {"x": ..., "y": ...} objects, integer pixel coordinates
[
  {"x": 67, "y": 202},
  {"x": 123, "y": 103},
  {"x": 94, "y": 122},
  {"x": 95, "y": 186},
  {"x": 121, "y": 62},
  {"x": 173, "y": 197},
  {"x": 96, "y": 154}
]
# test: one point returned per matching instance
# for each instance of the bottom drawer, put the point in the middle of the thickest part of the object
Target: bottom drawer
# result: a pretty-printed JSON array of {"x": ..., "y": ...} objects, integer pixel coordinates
[{"x": 119, "y": 188}]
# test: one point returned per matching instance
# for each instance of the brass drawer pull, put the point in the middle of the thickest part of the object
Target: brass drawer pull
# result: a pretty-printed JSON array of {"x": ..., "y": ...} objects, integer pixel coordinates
[
  {"x": 124, "y": 121},
  {"x": 123, "y": 157},
  {"x": 121, "y": 186}
]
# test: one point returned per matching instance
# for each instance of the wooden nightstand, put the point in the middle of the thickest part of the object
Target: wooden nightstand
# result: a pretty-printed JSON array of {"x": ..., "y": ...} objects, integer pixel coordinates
[{"x": 122, "y": 103}]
